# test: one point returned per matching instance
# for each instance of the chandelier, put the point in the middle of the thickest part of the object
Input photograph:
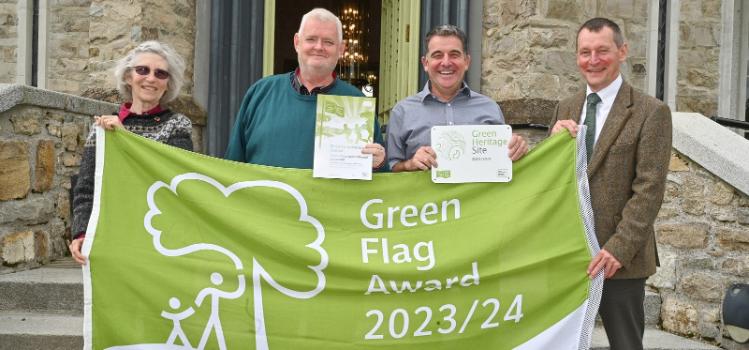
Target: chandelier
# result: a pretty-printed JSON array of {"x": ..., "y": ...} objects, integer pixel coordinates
[{"x": 350, "y": 64}]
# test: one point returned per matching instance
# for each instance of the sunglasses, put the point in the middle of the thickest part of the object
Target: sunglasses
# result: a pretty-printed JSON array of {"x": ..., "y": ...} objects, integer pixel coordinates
[{"x": 158, "y": 73}]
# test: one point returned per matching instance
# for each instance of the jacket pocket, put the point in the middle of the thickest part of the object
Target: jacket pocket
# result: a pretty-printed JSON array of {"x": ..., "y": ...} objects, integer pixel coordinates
[{"x": 622, "y": 148}]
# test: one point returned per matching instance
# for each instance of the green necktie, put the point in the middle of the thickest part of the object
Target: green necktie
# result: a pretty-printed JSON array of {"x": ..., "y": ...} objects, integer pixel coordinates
[{"x": 590, "y": 122}]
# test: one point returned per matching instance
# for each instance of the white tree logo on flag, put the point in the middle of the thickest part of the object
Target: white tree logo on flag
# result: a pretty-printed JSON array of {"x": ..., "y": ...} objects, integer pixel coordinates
[{"x": 212, "y": 295}]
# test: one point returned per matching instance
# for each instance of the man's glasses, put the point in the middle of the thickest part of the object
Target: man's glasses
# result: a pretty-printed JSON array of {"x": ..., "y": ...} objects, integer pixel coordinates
[{"x": 145, "y": 70}]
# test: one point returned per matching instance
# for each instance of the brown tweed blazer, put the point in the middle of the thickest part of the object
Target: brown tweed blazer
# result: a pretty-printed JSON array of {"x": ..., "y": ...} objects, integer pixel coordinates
[{"x": 627, "y": 174}]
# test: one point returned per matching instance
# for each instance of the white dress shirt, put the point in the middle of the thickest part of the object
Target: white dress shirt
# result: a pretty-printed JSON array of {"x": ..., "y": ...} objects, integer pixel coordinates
[{"x": 607, "y": 95}]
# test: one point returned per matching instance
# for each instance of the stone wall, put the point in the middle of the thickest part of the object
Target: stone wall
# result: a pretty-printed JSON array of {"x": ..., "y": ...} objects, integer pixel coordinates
[
  {"x": 118, "y": 26},
  {"x": 41, "y": 139},
  {"x": 703, "y": 241},
  {"x": 528, "y": 59},
  {"x": 699, "y": 51},
  {"x": 67, "y": 45},
  {"x": 85, "y": 38},
  {"x": 8, "y": 40}
]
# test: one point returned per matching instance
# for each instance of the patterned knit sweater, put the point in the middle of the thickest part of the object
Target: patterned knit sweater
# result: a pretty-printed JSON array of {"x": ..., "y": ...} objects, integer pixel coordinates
[{"x": 166, "y": 126}]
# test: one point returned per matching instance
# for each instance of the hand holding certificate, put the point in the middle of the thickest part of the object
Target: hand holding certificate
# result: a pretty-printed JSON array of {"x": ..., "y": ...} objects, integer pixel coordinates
[
  {"x": 344, "y": 125},
  {"x": 472, "y": 153}
]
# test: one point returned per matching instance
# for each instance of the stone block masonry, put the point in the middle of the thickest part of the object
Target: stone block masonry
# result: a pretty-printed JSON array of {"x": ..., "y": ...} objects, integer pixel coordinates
[
  {"x": 14, "y": 169},
  {"x": 702, "y": 229},
  {"x": 528, "y": 51},
  {"x": 84, "y": 40},
  {"x": 41, "y": 140},
  {"x": 8, "y": 41},
  {"x": 699, "y": 54},
  {"x": 702, "y": 232}
]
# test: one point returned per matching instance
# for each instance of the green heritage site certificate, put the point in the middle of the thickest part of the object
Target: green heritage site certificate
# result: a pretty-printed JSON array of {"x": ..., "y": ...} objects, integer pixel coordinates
[
  {"x": 471, "y": 153},
  {"x": 344, "y": 125}
]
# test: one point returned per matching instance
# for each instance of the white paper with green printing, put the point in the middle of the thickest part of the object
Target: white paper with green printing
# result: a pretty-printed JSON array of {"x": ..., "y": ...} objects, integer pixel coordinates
[
  {"x": 343, "y": 126},
  {"x": 471, "y": 153}
]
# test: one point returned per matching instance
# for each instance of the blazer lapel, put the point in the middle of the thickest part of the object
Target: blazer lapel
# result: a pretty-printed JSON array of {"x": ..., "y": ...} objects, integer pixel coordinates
[
  {"x": 576, "y": 107},
  {"x": 617, "y": 118}
]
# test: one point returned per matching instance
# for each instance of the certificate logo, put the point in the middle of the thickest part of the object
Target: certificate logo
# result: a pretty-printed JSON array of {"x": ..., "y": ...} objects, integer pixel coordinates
[
  {"x": 445, "y": 174},
  {"x": 451, "y": 145}
]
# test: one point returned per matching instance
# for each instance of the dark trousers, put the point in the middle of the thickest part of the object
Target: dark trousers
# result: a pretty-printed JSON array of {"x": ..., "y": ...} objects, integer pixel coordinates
[{"x": 623, "y": 313}]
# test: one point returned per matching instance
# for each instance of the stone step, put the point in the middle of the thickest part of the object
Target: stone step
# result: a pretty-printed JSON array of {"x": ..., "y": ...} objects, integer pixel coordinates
[
  {"x": 45, "y": 290},
  {"x": 42, "y": 309},
  {"x": 34, "y": 331},
  {"x": 654, "y": 339},
  {"x": 21, "y": 331}
]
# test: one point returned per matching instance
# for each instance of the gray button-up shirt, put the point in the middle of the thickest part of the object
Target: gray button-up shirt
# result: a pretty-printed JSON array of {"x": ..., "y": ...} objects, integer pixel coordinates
[{"x": 411, "y": 120}]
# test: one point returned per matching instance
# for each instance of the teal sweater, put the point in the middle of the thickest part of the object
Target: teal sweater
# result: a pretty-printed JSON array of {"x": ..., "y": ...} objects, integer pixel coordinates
[{"x": 276, "y": 125}]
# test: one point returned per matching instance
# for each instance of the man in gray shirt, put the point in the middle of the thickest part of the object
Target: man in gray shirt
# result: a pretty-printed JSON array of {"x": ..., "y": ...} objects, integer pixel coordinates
[{"x": 445, "y": 100}]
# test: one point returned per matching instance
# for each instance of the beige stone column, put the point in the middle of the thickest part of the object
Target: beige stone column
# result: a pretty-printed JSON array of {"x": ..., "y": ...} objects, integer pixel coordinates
[{"x": 528, "y": 51}]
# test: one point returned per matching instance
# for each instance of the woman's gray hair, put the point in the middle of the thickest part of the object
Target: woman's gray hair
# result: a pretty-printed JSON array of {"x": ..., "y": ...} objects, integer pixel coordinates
[{"x": 173, "y": 60}]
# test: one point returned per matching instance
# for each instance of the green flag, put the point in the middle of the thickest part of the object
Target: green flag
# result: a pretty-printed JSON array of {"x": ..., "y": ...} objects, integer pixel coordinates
[{"x": 192, "y": 252}]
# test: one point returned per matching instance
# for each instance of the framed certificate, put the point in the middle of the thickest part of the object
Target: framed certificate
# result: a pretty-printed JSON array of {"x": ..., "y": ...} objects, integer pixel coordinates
[
  {"x": 344, "y": 125},
  {"x": 472, "y": 153}
]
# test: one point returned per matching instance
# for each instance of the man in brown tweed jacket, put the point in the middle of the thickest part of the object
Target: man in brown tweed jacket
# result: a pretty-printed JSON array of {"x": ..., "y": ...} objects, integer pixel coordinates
[{"x": 627, "y": 169}]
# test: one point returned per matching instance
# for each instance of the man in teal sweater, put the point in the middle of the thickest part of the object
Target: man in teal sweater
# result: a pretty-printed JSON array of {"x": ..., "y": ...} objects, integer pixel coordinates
[{"x": 276, "y": 123}]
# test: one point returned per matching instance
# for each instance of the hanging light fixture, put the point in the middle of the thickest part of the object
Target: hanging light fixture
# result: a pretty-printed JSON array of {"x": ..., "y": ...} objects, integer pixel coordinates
[{"x": 349, "y": 66}]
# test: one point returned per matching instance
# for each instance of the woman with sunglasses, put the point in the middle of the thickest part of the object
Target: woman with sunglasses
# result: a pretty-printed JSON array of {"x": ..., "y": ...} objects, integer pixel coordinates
[{"x": 149, "y": 76}]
